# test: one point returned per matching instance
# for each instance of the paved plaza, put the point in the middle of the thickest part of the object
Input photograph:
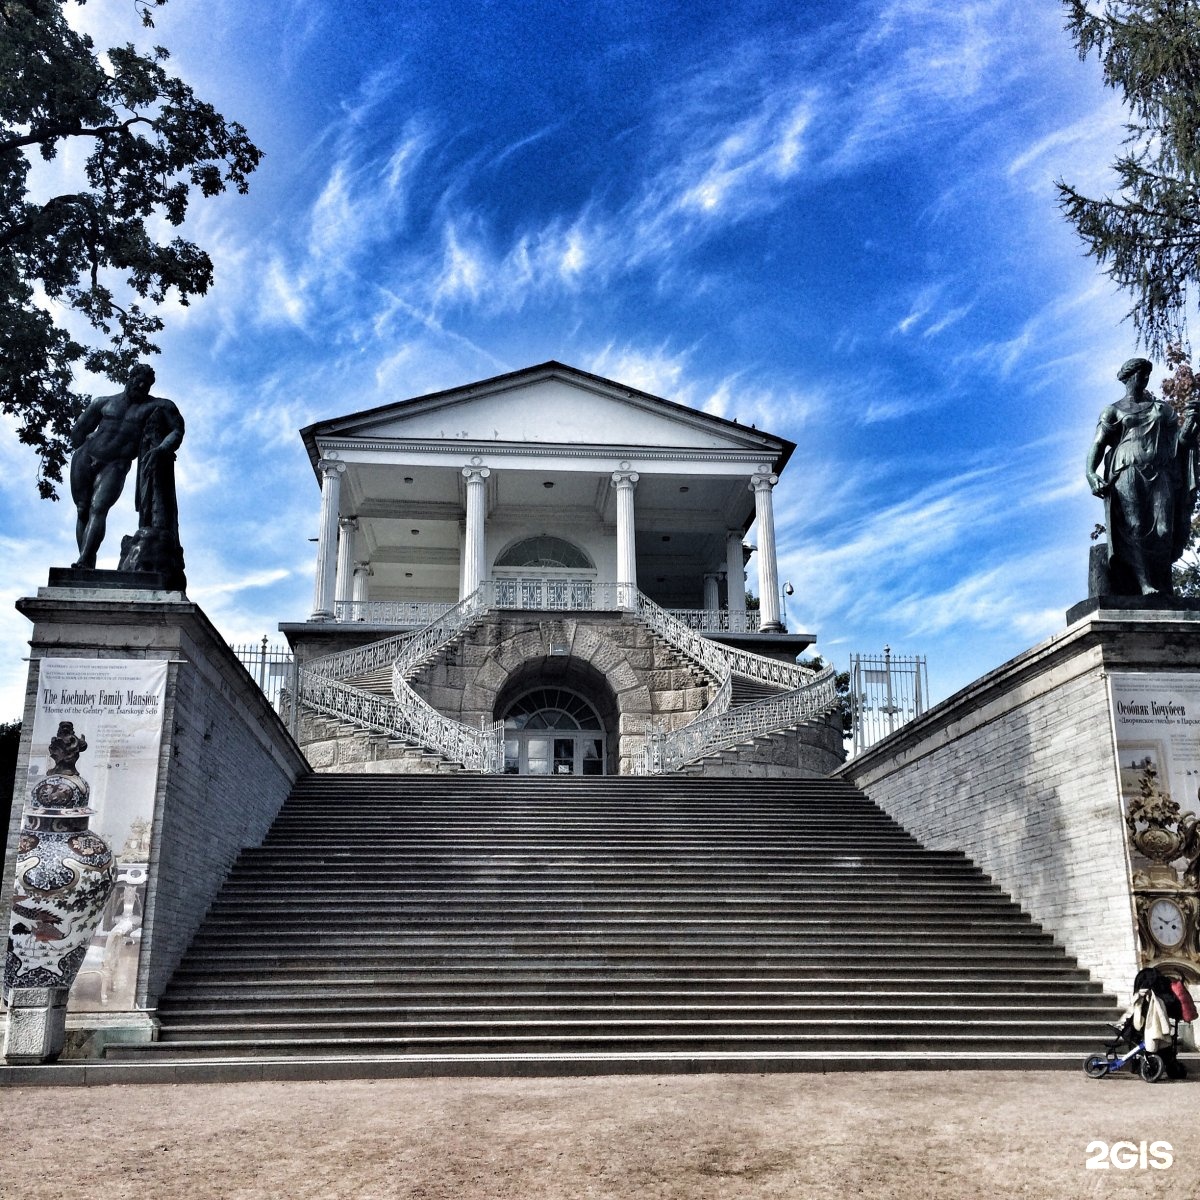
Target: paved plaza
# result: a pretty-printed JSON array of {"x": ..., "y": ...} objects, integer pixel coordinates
[{"x": 927, "y": 1135}]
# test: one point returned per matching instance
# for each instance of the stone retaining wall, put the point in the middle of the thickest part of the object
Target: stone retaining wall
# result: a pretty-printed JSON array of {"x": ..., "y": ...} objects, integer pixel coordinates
[{"x": 1018, "y": 771}]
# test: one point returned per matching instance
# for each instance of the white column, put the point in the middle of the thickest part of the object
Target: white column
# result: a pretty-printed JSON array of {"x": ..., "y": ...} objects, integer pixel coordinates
[
  {"x": 347, "y": 534},
  {"x": 475, "y": 547},
  {"x": 735, "y": 579},
  {"x": 362, "y": 572},
  {"x": 768, "y": 568},
  {"x": 712, "y": 598},
  {"x": 625, "y": 482},
  {"x": 327, "y": 539},
  {"x": 462, "y": 557}
]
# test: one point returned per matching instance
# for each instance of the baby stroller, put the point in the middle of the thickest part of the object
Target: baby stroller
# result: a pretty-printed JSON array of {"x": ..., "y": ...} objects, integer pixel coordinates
[{"x": 1147, "y": 1040}]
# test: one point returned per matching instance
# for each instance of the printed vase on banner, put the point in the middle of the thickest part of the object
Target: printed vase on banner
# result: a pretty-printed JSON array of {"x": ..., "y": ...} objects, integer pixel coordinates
[{"x": 65, "y": 874}]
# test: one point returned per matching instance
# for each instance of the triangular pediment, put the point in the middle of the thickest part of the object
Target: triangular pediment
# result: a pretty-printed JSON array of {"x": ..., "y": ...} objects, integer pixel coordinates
[{"x": 550, "y": 404}]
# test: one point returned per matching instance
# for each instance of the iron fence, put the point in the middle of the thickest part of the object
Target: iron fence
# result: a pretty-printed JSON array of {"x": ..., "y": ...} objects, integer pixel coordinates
[
  {"x": 270, "y": 665},
  {"x": 886, "y": 690}
]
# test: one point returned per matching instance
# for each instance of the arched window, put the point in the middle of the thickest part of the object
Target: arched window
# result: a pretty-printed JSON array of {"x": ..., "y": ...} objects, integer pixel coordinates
[
  {"x": 544, "y": 552},
  {"x": 552, "y": 731},
  {"x": 551, "y": 708}
]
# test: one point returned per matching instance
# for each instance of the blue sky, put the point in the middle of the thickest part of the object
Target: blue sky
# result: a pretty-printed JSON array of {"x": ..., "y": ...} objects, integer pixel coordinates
[{"x": 836, "y": 221}]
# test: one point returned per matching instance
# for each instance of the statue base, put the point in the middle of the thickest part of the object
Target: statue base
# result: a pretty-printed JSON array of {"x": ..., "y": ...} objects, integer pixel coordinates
[
  {"x": 37, "y": 1025},
  {"x": 1132, "y": 606},
  {"x": 124, "y": 581}
]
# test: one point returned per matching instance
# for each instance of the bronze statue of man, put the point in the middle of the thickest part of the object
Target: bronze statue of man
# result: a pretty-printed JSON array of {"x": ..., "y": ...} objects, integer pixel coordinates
[
  {"x": 1142, "y": 464},
  {"x": 111, "y": 433}
]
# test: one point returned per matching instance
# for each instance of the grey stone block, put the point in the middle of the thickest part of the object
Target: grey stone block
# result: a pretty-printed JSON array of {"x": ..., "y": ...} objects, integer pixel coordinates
[{"x": 37, "y": 1025}]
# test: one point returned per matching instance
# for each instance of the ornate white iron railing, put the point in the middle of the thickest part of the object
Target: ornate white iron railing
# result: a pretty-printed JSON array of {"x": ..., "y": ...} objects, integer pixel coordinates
[
  {"x": 715, "y": 658},
  {"x": 555, "y": 594},
  {"x": 406, "y": 715},
  {"x": 410, "y": 613},
  {"x": 409, "y": 717},
  {"x": 714, "y": 731},
  {"x": 809, "y": 695},
  {"x": 717, "y": 620},
  {"x": 476, "y": 749},
  {"x": 549, "y": 594}
]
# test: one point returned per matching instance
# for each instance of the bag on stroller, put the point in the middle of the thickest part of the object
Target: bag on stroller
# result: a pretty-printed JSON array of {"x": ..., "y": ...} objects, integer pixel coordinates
[{"x": 1160, "y": 1003}]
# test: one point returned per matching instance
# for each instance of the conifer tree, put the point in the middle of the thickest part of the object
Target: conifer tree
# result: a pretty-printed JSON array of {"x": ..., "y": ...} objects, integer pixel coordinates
[{"x": 1147, "y": 233}]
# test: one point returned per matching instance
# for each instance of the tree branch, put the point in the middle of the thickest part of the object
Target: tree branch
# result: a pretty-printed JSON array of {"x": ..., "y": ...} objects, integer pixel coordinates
[
  {"x": 84, "y": 200},
  {"x": 49, "y": 133}
]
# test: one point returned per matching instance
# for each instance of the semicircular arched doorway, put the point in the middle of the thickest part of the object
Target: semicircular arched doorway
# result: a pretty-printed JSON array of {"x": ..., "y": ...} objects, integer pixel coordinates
[{"x": 553, "y": 731}]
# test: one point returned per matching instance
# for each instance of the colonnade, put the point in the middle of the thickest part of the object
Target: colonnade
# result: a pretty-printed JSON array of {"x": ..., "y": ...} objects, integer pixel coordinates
[{"x": 341, "y": 576}]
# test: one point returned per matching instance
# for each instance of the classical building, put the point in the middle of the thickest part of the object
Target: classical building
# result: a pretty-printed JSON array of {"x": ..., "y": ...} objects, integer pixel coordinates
[{"x": 544, "y": 573}]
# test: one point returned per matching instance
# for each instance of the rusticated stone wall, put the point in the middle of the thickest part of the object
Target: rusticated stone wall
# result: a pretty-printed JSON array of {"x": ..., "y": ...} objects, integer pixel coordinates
[{"x": 635, "y": 680}]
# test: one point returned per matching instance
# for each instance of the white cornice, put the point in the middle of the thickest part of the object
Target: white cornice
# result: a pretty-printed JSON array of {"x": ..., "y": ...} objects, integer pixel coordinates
[{"x": 461, "y": 450}]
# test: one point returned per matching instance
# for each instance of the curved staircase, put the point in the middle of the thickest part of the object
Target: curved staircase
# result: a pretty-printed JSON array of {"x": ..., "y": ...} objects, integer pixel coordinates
[{"x": 351, "y": 688}]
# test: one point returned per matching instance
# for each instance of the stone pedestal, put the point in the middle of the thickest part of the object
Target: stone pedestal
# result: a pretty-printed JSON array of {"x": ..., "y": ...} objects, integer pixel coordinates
[
  {"x": 226, "y": 763},
  {"x": 37, "y": 1025},
  {"x": 93, "y": 580}
]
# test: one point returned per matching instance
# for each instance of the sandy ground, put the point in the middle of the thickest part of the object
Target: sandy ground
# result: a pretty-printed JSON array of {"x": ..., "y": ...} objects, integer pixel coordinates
[{"x": 907, "y": 1135}]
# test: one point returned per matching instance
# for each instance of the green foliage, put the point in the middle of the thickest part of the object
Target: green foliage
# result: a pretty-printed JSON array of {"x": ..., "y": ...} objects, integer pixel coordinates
[
  {"x": 1180, "y": 389},
  {"x": 85, "y": 257},
  {"x": 1147, "y": 236},
  {"x": 842, "y": 683},
  {"x": 10, "y": 742}
]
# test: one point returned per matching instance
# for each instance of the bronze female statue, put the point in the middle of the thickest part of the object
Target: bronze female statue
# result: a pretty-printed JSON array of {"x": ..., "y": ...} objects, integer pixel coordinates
[{"x": 1142, "y": 464}]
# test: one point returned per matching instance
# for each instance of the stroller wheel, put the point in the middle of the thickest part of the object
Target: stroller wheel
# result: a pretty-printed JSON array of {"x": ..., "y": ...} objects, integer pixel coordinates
[
  {"x": 1096, "y": 1067},
  {"x": 1152, "y": 1067}
]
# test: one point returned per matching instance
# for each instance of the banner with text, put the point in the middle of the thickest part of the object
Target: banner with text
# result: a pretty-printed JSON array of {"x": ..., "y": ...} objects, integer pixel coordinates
[
  {"x": 117, "y": 706},
  {"x": 1156, "y": 721}
]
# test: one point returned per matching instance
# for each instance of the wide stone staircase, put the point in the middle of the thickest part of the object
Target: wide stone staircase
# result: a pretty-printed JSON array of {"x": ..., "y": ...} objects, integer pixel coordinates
[{"x": 504, "y": 924}]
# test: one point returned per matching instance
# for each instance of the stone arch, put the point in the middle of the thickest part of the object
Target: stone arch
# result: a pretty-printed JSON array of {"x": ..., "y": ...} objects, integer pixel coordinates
[
  {"x": 573, "y": 675},
  {"x": 502, "y": 648}
]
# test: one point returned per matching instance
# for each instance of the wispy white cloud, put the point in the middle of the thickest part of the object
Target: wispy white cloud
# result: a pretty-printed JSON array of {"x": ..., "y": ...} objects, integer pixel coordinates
[
  {"x": 884, "y": 557},
  {"x": 739, "y": 396},
  {"x": 919, "y": 65},
  {"x": 928, "y": 314},
  {"x": 362, "y": 203},
  {"x": 1068, "y": 315},
  {"x": 1080, "y": 150},
  {"x": 227, "y": 586}
]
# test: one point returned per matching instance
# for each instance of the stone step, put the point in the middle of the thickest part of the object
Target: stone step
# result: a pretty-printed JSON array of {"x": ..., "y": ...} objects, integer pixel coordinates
[
  {"x": 278, "y": 886},
  {"x": 647, "y": 920},
  {"x": 245, "y": 923},
  {"x": 1014, "y": 988},
  {"x": 667, "y": 855},
  {"x": 612, "y": 942},
  {"x": 288, "y": 903},
  {"x": 685, "y": 962},
  {"x": 926, "y": 1030},
  {"x": 998, "y": 1048},
  {"x": 619, "y": 788},
  {"x": 879, "y": 1008}
]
